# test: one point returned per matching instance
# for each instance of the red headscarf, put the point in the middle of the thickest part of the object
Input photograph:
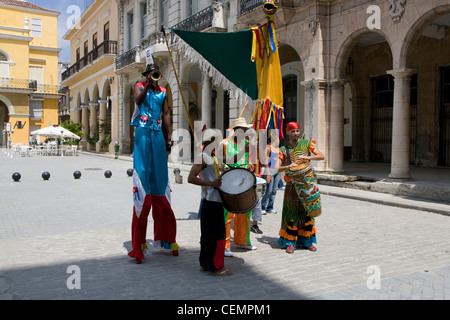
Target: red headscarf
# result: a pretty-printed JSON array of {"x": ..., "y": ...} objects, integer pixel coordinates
[{"x": 292, "y": 126}]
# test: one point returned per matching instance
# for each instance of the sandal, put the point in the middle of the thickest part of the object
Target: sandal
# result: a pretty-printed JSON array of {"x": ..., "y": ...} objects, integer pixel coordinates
[{"x": 221, "y": 272}]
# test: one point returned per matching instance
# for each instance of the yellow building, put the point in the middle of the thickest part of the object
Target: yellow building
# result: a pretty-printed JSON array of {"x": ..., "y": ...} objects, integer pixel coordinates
[
  {"x": 28, "y": 69},
  {"x": 91, "y": 79}
]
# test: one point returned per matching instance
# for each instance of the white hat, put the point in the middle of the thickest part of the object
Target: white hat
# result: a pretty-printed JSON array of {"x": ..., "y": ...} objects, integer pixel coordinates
[
  {"x": 241, "y": 123},
  {"x": 208, "y": 134}
]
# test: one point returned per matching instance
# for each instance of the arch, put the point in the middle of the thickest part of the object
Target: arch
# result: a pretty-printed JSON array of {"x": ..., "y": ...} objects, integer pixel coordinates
[
  {"x": 104, "y": 87},
  {"x": 347, "y": 46},
  {"x": 77, "y": 99},
  {"x": 416, "y": 30},
  {"x": 85, "y": 95},
  {"x": 4, "y": 56},
  {"x": 8, "y": 104},
  {"x": 94, "y": 93}
]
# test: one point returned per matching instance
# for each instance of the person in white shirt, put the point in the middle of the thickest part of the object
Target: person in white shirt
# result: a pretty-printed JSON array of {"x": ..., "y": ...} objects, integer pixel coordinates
[{"x": 212, "y": 223}]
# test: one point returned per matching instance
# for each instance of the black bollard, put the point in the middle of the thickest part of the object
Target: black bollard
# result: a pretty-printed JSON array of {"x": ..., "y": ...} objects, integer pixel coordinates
[
  {"x": 130, "y": 172},
  {"x": 77, "y": 174},
  {"x": 108, "y": 174},
  {"x": 45, "y": 175},
  {"x": 16, "y": 176}
]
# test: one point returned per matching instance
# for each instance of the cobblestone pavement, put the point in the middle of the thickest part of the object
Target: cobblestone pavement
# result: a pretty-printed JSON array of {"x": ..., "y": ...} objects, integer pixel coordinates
[{"x": 365, "y": 250}]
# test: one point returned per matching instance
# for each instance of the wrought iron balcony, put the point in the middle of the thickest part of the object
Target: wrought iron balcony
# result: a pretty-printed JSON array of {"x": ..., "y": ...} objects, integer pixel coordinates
[
  {"x": 197, "y": 22},
  {"x": 107, "y": 47},
  {"x": 18, "y": 84},
  {"x": 126, "y": 58}
]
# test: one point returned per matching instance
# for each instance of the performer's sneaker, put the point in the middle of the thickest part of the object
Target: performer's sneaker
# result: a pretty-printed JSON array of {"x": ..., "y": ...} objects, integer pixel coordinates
[
  {"x": 247, "y": 247},
  {"x": 228, "y": 252},
  {"x": 256, "y": 229},
  {"x": 272, "y": 211}
]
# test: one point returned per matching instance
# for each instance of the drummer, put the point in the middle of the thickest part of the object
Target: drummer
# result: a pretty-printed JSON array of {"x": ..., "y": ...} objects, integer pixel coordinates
[
  {"x": 301, "y": 203},
  {"x": 236, "y": 153},
  {"x": 212, "y": 224}
]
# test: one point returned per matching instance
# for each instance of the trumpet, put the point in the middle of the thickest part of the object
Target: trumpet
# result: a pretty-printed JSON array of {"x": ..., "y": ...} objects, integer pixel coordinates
[{"x": 155, "y": 75}]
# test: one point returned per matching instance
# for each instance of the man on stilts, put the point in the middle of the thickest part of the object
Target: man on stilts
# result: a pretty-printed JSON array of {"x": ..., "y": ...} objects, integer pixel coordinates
[{"x": 150, "y": 174}]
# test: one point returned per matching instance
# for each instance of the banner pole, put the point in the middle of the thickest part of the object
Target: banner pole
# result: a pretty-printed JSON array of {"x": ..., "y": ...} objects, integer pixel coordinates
[{"x": 191, "y": 124}]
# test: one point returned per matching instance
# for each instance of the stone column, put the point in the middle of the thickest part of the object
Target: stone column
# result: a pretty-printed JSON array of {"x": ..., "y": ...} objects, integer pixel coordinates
[
  {"x": 102, "y": 123},
  {"x": 85, "y": 124},
  {"x": 206, "y": 101},
  {"x": 92, "y": 118},
  {"x": 114, "y": 123},
  {"x": 400, "y": 124},
  {"x": 316, "y": 123},
  {"x": 336, "y": 127}
]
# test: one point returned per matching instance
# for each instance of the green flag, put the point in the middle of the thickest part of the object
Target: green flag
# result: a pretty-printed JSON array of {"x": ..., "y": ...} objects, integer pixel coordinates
[{"x": 229, "y": 53}]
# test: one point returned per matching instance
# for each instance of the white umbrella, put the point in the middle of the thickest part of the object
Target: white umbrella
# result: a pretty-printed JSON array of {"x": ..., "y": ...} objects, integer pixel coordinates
[{"x": 55, "y": 132}]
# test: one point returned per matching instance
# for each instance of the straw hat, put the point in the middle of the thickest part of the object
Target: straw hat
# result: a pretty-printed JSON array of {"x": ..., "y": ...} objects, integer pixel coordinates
[
  {"x": 240, "y": 123},
  {"x": 208, "y": 134}
]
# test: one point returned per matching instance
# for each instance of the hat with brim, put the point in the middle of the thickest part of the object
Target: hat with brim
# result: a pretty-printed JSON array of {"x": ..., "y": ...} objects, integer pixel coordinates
[
  {"x": 150, "y": 68},
  {"x": 208, "y": 134},
  {"x": 240, "y": 123}
]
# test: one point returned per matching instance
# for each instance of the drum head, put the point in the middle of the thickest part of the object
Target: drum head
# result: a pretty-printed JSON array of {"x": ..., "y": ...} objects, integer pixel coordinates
[{"x": 237, "y": 181}]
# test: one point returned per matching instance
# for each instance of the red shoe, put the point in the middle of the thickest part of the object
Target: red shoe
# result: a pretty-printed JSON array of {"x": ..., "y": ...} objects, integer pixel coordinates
[
  {"x": 312, "y": 248},
  {"x": 175, "y": 253},
  {"x": 290, "y": 248}
]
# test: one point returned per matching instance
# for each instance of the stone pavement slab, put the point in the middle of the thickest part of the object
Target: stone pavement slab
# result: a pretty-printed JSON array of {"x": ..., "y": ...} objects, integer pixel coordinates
[{"x": 48, "y": 226}]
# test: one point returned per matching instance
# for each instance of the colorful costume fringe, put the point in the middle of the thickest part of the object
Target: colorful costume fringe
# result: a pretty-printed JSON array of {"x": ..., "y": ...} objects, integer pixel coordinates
[
  {"x": 301, "y": 202},
  {"x": 150, "y": 177}
]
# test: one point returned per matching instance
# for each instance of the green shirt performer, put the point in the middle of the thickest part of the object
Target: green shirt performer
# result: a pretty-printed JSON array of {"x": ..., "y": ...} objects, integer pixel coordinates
[{"x": 301, "y": 203}]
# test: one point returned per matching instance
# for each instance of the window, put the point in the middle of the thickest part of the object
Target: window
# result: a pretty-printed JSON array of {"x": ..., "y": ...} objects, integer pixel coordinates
[
  {"x": 37, "y": 74},
  {"x": 94, "y": 40},
  {"x": 4, "y": 66},
  {"x": 86, "y": 48},
  {"x": 78, "y": 56},
  {"x": 106, "y": 32},
  {"x": 192, "y": 7},
  {"x": 143, "y": 19},
  {"x": 164, "y": 13},
  {"x": 130, "y": 30},
  {"x": 36, "y": 109},
  {"x": 36, "y": 27}
]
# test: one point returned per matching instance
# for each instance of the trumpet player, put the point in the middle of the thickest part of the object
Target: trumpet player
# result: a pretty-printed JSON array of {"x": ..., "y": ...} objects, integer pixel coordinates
[{"x": 150, "y": 171}]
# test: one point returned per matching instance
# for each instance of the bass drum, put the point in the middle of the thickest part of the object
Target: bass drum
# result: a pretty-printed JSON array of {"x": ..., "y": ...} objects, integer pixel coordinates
[{"x": 238, "y": 190}]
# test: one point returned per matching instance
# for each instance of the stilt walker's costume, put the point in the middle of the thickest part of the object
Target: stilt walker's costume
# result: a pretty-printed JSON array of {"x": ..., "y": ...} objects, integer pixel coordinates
[
  {"x": 301, "y": 202},
  {"x": 150, "y": 176}
]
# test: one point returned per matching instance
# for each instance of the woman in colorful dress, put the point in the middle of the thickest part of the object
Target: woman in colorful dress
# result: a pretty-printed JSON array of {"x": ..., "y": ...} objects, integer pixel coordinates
[
  {"x": 301, "y": 204},
  {"x": 150, "y": 175}
]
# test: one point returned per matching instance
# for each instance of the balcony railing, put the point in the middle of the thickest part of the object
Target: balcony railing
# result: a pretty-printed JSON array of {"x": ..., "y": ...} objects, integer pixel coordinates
[
  {"x": 18, "y": 84},
  {"x": 27, "y": 85},
  {"x": 126, "y": 58},
  {"x": 197, "y": 22},
  {"x": 249, "y": 5},
  {"x": 107, "y": 47}
]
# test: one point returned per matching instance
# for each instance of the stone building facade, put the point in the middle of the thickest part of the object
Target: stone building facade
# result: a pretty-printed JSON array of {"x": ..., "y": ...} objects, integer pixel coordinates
[{"x": 369, "y": 80}]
